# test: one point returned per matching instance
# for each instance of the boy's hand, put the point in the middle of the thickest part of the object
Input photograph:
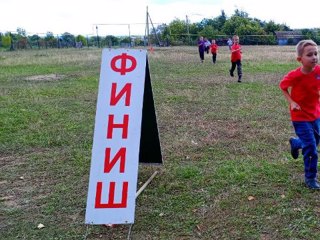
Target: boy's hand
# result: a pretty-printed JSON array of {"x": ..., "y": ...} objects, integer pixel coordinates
[{"x": 295, "y": 106}]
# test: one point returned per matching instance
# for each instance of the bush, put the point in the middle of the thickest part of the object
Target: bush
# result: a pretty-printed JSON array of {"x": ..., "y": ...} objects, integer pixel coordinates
[{"x": 6, "y": 41}]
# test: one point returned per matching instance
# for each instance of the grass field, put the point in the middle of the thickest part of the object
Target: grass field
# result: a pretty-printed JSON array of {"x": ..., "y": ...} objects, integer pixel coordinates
[{"x": 227, "y": 171}]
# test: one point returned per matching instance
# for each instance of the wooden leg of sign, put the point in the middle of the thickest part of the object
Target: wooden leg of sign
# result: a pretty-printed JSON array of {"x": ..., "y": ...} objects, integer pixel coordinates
[
  {"x": 129, "y": 232},
  {"x": 137, "y": 194},
  {"x": 146, "y": 183}
]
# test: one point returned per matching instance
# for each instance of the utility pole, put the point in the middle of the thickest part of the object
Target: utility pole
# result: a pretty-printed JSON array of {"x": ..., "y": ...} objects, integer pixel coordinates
[
  {"x": 98, "y": 36},
  {"x": 11, "y": 42},
  {"x": 154, "y": 30},
  {"x": 129, "y": 35},
  {"x": 188, "y": 30},
  {"x": 58, "y": 42},
  {"x": 146, "y": 34}
]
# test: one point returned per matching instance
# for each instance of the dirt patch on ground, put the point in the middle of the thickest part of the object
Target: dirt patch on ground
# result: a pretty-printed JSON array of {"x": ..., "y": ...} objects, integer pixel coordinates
[
  {"x": 47, "y": 77},
  {"x": 19, "y": 181}
]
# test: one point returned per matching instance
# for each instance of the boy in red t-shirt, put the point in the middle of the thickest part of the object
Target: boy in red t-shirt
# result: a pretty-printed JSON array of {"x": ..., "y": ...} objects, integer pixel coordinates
[
  {"x": 214, "y": 49},
  {"x": 301, "y": 88},
  {"x": 236, "y": 58}
]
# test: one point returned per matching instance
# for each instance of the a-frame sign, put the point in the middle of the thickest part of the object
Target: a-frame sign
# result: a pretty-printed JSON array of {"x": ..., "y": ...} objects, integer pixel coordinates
[
  {"x": 125, "y": 134},
  {"x": 150, "y": 150}
]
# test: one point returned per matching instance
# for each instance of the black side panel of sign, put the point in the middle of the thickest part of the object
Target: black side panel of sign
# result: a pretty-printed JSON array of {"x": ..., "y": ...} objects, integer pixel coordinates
[{"x": 150, "y": 149}]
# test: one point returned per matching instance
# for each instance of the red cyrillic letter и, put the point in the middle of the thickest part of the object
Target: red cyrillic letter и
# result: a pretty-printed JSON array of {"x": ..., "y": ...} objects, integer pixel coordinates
[
  {"x": 112, "y": 125},
  {"x": 114, "y": 99},
  {"x": 120, "y": 155}
]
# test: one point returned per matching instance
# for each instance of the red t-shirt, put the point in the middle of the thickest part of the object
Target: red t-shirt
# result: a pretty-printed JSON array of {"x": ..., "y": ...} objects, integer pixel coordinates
[
  {"x": 305, "y": 92},
  {"x": 214, "y": 48},
  {"x": 235, "y": 52}
]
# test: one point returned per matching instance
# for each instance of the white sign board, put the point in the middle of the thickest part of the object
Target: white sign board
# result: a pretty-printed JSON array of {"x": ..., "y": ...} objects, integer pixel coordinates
[{"x": 115, "y": 151}]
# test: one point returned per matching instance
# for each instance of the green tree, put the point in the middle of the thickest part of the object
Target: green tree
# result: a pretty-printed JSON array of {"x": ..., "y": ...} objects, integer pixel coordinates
[
  {"x": 220, "y": 21},
  {"x": 216, "y": 23},
  {"x": 93, "y": 41},
  {"x": 110, "y": 41},
  {"x": 250, "y": 28},
  {"x": 68, "y": 39},
  {"x": 271, "y": 27},
  {"x": 81, "y": 39},
  {"x": 20, "y": 38},
  {"x": 178, "y": 32},
  {"x": 240, "y": 13},
  {"x": 312, "y": 34},
  {"x": 138, "y": 41},
  {"x": 34, "y": 38},
  {"x": 252, "y": 31},
  {"x": 232, "y": 25},
  {"x": 126, "y": 40},
  {"x": 6, "y": 40},
  {"x": 209, "y": 32},
  {"x": 162, "y": 31},
  {"x": 21, "y": 32},
  {"x": 50, "y": 40},
  {"x": 49, "y": 36}
]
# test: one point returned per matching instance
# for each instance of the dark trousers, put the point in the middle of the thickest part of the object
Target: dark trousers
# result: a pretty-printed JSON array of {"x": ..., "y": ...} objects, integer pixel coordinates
[
  {"x": 239, "y": 68},
  {"x": 214, "y": 57},
  {"x": 308, "y": 133},
  {"x": 201, "y": 53}
]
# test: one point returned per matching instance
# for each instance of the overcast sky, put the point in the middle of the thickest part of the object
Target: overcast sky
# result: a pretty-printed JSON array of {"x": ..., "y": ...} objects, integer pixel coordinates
[{"x": 82, "y": 17}]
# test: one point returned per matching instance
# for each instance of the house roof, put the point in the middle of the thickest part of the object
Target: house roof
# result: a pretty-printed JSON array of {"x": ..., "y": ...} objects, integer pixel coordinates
[{"x": 289, "y": 34}]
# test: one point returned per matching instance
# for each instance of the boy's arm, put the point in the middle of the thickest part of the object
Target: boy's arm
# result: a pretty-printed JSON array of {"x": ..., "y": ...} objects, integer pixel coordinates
[
  {"x": 293, "y": 104},
  {"x": 235, "y": 50}
]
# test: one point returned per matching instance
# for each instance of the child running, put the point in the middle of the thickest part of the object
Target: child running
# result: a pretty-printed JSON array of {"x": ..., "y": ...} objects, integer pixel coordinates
[
  {"x": 201, "y": 48},
  {"x": 214, "y": 49},
  {"x": 301, "y": 88},
  {"x": 236, "y": 58}
]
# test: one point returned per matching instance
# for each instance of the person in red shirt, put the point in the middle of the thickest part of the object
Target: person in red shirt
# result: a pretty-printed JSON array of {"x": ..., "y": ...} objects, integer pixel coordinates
[
  {"x": 236, "y": 58},
  {"x": 301, "y": 88},
  {"x": 214, "y": 49}
]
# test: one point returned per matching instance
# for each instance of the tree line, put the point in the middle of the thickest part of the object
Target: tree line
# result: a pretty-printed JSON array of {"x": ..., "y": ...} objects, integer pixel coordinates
[
  {"x": 20, "y": 40},
  {"x": 178, "y": 32},
  {"x": 251, "y": 30}
]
